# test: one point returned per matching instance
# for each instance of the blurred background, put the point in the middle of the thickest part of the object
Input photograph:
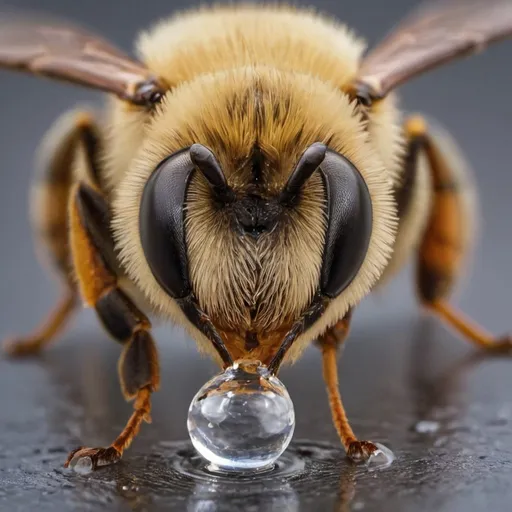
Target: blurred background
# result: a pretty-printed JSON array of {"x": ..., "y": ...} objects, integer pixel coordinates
[{"x": 399, "y": 367}]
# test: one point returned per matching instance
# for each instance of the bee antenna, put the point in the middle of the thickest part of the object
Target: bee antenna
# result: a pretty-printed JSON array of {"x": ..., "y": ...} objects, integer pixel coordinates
[
  {"x": 205, "y": 161},
  {"x": 306, "y": 166}
]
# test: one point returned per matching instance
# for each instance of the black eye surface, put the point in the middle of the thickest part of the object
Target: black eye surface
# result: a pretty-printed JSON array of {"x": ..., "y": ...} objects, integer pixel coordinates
[
  {"x": 349, "y": 225},
  {"x": 161, "y": 223}
]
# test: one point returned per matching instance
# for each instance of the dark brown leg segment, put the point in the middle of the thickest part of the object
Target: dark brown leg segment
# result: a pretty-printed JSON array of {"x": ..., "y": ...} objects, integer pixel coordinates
[
  {"x": 330, "y": 344},
  {"x": 444, "y": 242},
  {"x": 49, "y": 202},
  {"x": 92, "y": 248}
]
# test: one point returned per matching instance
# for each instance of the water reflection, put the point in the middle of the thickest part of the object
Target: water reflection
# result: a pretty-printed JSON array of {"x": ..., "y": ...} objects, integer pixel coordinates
[
  {"x": 215, "y": 497},
  {"x": 437, "y": 376}
]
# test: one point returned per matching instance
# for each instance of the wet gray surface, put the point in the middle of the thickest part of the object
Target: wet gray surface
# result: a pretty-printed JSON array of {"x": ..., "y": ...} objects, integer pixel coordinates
[
  {"x": 395, "y": 373},
  {"x": 399, "y": 368}
]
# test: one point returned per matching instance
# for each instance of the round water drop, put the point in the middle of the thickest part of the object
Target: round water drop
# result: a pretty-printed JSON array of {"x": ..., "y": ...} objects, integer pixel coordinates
[
  {"x": 242, "y": 419},
  {"x": 381, "y": 458},
  {"x": 82, "y": 466}
]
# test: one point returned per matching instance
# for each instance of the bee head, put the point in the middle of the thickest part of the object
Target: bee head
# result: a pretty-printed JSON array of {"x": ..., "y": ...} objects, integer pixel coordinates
[
  {"x": 254, "y": 219},
  {"x": 230, "y": 203}
]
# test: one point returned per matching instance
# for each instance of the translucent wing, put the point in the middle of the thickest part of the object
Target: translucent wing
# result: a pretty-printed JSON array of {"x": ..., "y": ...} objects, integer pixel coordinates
[
  {"x": 437, "y": 32},
  {"x": 62, "y": 51}
]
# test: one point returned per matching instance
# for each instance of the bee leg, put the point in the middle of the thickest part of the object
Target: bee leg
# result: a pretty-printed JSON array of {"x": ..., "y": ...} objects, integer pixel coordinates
[
  {"x": 50, "y": 197},
  {"x": 445, "y": 240},
  {"x": 92, "y": 248},
  {"x": 471, "y": 331},
  {"x": 330, "y": 343},
  {"x": 47, "y": 332}
]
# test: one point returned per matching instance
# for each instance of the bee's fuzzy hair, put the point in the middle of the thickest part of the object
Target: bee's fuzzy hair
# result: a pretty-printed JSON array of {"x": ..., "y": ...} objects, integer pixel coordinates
[
  {"x": 287, "y": 38},
  {"x": 212, "y": 106}
]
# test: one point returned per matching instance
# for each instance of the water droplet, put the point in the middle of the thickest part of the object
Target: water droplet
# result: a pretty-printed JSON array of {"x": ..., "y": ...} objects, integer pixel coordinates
[
  {"x": 382, "y": 458},
  {"x": 242, "y": 419},
  {"x": 82, "y": 465},
  {"x": 427, "y": 427}
]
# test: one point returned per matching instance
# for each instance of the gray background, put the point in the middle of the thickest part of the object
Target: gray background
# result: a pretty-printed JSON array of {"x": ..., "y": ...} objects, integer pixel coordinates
[{"x": 399, "y": 367}]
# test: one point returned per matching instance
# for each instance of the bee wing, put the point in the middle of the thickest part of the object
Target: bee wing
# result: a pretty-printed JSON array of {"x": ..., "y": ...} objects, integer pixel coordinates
[
  {"x": 59, "y": 50},
  {"x": 435, "y": 33}
]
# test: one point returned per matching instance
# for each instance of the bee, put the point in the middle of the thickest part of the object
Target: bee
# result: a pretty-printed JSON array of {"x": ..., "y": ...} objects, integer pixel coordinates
[{"x": 251, "y": 178}]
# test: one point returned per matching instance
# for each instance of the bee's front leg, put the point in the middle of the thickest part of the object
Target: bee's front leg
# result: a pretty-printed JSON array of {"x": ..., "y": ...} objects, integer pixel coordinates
[
  {"x": 330, "y": 343},
  {"x": 92, "y": 249}
]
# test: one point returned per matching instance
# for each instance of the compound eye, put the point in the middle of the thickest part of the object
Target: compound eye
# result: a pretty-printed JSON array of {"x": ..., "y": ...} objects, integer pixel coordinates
[
  {"x": 349, "y": 224},
  {"x": 161, "y": 223}
]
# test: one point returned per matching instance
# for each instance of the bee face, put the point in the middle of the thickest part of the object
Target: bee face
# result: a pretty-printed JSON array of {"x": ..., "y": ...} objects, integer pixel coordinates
[
  {"x": 231, "y": 247},
  {"x": 267, "y": 253},
  {"x": 254, "y": 232}
]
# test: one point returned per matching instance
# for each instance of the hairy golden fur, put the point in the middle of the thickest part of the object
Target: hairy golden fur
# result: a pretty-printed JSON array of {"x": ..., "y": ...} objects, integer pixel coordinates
[{"x": 243, "y": 75}]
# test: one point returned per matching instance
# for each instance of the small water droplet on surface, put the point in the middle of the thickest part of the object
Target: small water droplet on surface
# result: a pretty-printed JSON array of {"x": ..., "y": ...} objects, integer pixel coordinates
[
  {"x": 242, "y": 419},
  {"x": 82, "y": 466},
  {"x": 382, "y": 458},
  {"x": 427, "y": 427}
]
